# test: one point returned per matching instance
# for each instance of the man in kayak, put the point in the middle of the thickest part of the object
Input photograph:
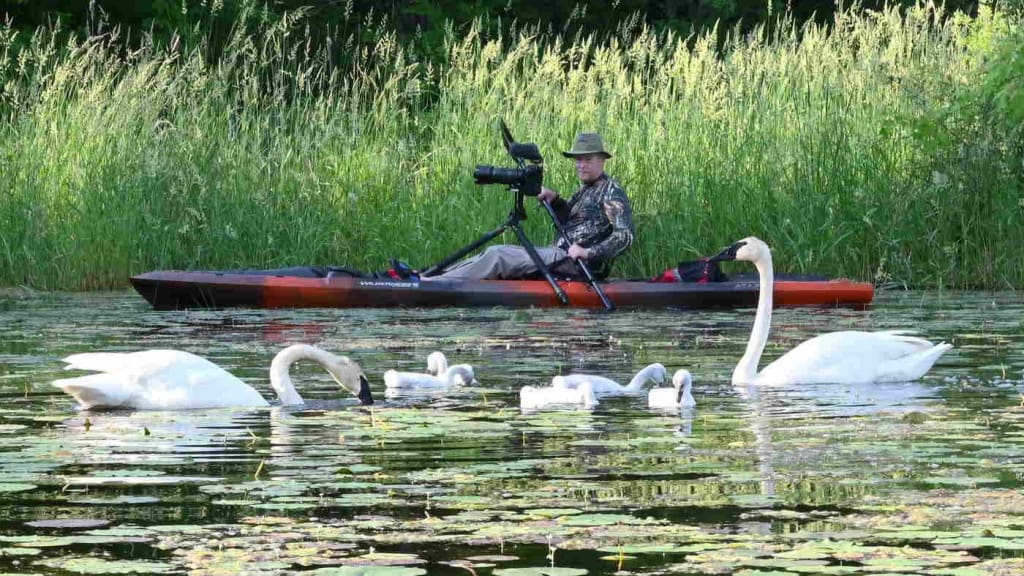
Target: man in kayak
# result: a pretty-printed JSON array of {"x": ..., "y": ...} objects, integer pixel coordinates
[{"x": 598, "y": 220}]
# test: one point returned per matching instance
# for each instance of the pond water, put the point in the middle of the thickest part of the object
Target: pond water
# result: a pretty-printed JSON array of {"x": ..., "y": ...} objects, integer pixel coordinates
[{"x": 914, "y": 478}]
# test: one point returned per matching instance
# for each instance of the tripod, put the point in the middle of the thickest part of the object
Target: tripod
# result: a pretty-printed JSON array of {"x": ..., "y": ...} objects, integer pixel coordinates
[{"x": 515, "y": 216}]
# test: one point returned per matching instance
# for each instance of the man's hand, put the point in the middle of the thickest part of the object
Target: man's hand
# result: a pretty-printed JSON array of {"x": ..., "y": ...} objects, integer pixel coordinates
[
  {"x": 546, "y": 194},
  {"x": 577, "y": 252}
]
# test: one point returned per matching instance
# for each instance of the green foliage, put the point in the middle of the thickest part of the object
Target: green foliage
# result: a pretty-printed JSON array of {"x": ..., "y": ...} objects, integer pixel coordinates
[{"x": 863, "y": 148}]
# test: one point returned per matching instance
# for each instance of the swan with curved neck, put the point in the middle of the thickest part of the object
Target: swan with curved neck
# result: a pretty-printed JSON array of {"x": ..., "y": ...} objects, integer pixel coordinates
[
  {"x": 439, "y": 375},
  {"x": 533, "y": 398},
  {"x": 848, "y": 357},
  {"x": 678, "y": 396},
  {"x": 607, "y": 387},
  {"x": 177, "y": 380}
]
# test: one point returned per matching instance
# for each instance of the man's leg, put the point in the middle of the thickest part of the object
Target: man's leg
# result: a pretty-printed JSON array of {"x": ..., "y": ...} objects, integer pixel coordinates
[{"x": 502, "y": 261}]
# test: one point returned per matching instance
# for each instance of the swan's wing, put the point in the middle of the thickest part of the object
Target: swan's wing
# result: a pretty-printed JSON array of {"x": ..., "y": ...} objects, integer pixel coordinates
[
  {"x": 662, "y": 397},
  {"x": 902, "y": 336},
  {"x": 99, "y": 390},
  {"x": 838, "y": 357},
  {"x": 531, "y": 397},
  {"x": 600, "y": 384},
  {"x": 166, "y": 390},
  {"x": 913, "y": 366},
  {"x": 396, "y": 379},
  {"x": 156, "y": 380},
  {"x": 146, "y": 361}
]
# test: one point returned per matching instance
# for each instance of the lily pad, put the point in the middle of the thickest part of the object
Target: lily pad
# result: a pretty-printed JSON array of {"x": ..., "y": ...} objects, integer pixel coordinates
[
  {"x": 16, "y": 487},
  {"x": 138, "y": 480},
  {"x": 543, "y": 571},
  {"x": 645, "y": 548},
  {"x": 600, "y": 520},
  {"x": 89, "y": 565},
  {"x": 387, "y": 559},
  {"x": 552, "y": 512},
  {"x": 69, "y": 523},
  {"x": 367, "y": 571},
  {"x": 20, "y": 551},
  {"x": 123, "y": 499}
]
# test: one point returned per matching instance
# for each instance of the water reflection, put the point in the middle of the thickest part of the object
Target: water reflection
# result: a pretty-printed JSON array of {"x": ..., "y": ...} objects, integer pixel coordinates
[
  {"x": 773, "y": 407},
  {"x": 129, "y": 437}
]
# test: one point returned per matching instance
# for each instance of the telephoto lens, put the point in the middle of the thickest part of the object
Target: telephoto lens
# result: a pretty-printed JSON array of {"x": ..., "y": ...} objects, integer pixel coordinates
[{"x": 485, "y": 174}]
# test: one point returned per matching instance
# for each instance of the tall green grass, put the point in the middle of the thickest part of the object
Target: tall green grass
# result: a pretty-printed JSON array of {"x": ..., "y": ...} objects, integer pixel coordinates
[{"x": 856, "y": 149}]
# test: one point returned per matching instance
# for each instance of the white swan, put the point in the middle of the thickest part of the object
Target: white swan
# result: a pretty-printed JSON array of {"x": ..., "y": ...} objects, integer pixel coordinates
[
  {"x": 437, "y": 363},
  {"x": 848, "y": 357},
  {"x": 176, "y": 380},
  {"x": 678, "y": 396},
  {"x": 606, "y": 387},
  {"x": 533, "y": 398}
]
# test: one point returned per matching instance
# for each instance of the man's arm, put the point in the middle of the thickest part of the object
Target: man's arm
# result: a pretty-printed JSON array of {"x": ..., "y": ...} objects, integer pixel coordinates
[
  {"x": 560, "y": 206},
  {"x": 620, "y": 215}
]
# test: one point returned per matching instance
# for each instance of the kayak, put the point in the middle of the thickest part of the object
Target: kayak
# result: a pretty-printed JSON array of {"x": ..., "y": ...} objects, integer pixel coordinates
[{"x": 170, "y": 290}]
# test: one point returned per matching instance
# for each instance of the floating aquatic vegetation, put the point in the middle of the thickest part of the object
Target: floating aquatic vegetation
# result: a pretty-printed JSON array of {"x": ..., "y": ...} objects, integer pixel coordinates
[
  {"x": 540, "y": 571},
  {"x": 16, "y": 487},
  {"x": 89, "y": 565},
  {"x": 122, "y": 500},
  {"x": 69, "y": 523},
  {"x": 368, "y": 571}
]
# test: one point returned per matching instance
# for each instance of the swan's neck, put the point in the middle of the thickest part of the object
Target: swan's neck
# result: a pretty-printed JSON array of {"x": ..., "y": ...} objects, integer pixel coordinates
[
  {"x": 642, "y": 377},
  {"x": 449, "y": 374},
  {"x": 683, "y": 390},
  {"x": 280, "y": 381},
  {"x": 437, "y": 363},
  {"x": 746, "y": 369}
]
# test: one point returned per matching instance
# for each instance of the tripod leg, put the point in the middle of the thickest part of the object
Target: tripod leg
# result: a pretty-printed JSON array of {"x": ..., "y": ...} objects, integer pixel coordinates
[
  {"x": 448, "y": 261},
  {"x": 562, "y": 296}
]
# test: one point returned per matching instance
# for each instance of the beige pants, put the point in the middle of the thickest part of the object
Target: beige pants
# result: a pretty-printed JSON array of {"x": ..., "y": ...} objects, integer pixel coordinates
[{"x": 505, "y": 261}]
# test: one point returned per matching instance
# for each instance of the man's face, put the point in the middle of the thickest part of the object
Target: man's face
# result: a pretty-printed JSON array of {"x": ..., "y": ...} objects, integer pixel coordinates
[{"x": 589, "y": 167}]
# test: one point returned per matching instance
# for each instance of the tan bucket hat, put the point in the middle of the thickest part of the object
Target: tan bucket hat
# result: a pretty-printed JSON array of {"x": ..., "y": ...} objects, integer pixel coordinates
[{"x": 587, "y": 143}]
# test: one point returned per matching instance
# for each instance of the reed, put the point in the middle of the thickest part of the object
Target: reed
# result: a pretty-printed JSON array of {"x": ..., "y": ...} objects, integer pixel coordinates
[{"x": 828, "y": 142}]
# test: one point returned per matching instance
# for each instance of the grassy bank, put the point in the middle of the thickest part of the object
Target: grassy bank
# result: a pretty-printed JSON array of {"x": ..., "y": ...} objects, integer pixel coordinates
[{"x": 864, "y": 149}]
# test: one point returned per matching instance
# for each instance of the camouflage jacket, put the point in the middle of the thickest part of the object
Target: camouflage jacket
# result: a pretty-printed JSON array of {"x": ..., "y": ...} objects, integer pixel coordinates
[{"x": 599, "y": 218}]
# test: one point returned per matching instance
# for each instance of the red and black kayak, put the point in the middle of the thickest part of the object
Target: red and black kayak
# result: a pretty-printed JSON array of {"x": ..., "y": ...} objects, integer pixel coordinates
[{"x": 181, "y": 289}]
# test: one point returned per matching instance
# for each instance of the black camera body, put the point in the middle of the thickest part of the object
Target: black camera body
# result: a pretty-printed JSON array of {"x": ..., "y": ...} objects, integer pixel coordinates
[{"x": 527, "y": 178}]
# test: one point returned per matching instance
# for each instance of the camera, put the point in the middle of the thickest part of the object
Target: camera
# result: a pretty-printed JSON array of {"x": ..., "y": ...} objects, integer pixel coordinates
[{"x": 527, "y": 178}]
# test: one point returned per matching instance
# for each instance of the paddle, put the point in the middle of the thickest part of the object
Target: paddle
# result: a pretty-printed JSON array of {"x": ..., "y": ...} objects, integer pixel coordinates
[{"x": 579, "y": 262}]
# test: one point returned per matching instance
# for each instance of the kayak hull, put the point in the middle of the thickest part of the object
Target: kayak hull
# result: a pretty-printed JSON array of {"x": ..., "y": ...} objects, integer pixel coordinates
[{"x": 171, "y": 290}]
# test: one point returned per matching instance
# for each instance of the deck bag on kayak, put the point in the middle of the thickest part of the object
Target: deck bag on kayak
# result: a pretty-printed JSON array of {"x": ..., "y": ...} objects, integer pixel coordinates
[
  {"x": 700, "y": 271},
  {"x": 400, "y": 271}
]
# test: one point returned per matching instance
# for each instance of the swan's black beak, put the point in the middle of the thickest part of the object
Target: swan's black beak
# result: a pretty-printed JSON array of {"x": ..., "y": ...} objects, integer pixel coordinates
[
  {"x": 364, "y": 395},
  {"x": 729, "y": 253},
  {"x": 679, "y": 394}
]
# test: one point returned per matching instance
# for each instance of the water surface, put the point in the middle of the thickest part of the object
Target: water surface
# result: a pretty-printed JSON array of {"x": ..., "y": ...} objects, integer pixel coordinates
[{"x": 914, "y": 478}]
